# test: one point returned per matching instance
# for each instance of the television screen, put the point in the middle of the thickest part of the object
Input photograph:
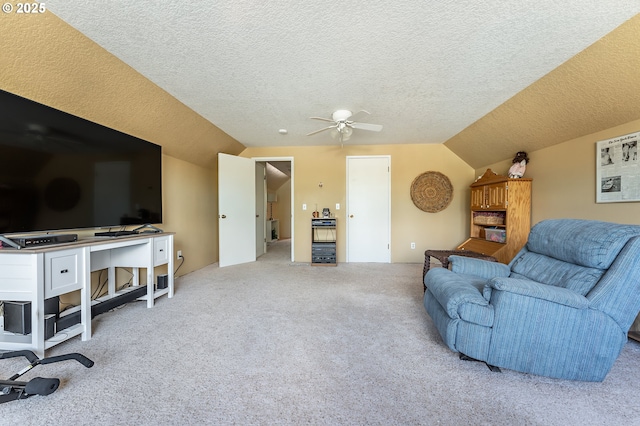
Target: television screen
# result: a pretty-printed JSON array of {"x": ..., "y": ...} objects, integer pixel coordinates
[{"x": 59, "y": 171}]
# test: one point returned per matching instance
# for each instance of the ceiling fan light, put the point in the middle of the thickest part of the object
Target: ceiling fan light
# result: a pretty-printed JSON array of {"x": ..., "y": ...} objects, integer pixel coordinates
[
  {"x": 343, "y": 127},
  {"x": 341, "y": 115}
]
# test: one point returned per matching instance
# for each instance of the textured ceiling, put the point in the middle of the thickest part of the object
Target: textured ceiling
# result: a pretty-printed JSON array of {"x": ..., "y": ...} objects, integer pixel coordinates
[
  {"x": 278, "y": 173},
  {"x": 426, "y": 70},
  {"x": 597, "y": 89}
]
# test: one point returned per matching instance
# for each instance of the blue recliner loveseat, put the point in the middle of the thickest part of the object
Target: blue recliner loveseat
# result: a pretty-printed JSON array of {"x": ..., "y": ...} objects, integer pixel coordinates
[{"x": 561, "y": 308}]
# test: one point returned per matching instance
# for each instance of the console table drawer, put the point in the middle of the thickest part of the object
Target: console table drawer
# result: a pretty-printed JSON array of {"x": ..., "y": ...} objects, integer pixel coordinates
[
  {"x": 62, "y": 272},
  {"x": 160, "y": 251}
]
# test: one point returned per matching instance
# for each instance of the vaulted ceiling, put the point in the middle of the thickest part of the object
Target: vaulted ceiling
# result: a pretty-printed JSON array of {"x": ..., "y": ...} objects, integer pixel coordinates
[{"x": 487, "y": 78}]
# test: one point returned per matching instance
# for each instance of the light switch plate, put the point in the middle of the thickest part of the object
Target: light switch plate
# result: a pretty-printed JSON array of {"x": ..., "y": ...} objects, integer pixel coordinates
[
  {"x": 304, "y": 207},
  {"x": 337, "y": 206}
]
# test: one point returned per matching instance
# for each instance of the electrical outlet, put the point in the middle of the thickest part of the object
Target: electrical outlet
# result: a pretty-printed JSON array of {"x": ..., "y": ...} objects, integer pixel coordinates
[
  {"x": 179, "y": 254},
  {"x": 413, "y": 246}
]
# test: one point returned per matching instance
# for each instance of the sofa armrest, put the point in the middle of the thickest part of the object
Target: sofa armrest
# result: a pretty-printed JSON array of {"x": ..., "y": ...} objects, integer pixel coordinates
[
  {"x": 452, "y": 291},
  {"x": 536, "y": 290},
  {"x": 478, "y": 267}
]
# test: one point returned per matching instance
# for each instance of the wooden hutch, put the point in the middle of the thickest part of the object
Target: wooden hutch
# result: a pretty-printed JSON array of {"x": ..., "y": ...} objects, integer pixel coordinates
[{"x": 499, "y": 203}]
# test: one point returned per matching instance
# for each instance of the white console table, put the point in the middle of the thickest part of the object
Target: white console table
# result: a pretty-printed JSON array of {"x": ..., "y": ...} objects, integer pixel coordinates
[{"x": 35, "y": 274}]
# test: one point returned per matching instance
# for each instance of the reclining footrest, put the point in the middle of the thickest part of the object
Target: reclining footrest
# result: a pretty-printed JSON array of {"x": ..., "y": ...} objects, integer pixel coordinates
[{"x": 491, "y": 367}]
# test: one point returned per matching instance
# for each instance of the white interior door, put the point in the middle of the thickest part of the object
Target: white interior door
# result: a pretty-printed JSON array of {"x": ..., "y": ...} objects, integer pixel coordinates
[
  {"x": 369, "y": 209},
  {"x": 236, "y": 210}
]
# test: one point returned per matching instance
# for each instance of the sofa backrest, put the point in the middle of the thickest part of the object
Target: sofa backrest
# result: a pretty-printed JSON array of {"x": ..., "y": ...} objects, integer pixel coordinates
[
  {"x": 571, "y": 253},
  {"x": 618, "y": 292}
]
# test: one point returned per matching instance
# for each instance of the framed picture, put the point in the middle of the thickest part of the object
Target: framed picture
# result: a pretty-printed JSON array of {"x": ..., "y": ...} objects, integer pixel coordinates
[{"x": 618, "y": 169}]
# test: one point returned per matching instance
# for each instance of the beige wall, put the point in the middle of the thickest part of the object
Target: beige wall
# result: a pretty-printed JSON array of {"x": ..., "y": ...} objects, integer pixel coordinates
[
  {"x": 282, "y": 209},
  {"x": 46, "y": 60},
  {"x": 327, "y": 164},
  {"x": 191, "y": 210},
  {"x": 564, "y": 180}
]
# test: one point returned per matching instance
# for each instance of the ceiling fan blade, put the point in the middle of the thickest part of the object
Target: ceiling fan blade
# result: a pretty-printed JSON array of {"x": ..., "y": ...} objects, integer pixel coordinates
[
  {"x": 323, "y": 119},
  {"x": 359, "y": 115},
  {"x": 367, "y": 126},
  {"x": 321, "y": 130}
]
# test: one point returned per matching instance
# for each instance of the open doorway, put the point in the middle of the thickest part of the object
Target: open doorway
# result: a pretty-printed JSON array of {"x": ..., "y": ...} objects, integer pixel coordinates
[{"x": 278, "y": 204}]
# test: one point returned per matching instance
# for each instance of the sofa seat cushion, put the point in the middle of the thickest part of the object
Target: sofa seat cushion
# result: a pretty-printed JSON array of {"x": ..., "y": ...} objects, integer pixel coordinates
[
  {"x": 460, "y": 295},
  {"x": 547, "y": 270},
  {"x": 531, "y": 291}
]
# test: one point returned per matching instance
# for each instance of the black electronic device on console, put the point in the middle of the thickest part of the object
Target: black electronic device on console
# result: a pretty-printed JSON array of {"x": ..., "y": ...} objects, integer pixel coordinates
[
  {"x": 39, "y": 240},
  {"x": 143, "y": 229},
  {"x": 323, "y": 222},
  {"x": 114, "y": 233}
]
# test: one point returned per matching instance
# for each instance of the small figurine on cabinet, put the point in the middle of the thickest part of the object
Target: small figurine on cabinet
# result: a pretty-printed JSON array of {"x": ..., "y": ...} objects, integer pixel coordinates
[{"x": 519, "y": 165}]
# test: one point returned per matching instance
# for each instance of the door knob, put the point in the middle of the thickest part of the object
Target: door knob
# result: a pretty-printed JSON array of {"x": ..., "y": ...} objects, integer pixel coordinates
[
  {"x": 351, "y": 216},
  {"x": 224, "y": 216}
]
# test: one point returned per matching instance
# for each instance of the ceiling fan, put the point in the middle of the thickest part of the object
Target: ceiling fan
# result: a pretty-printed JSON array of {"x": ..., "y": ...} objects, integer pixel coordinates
[{"x": 343, "y": 126}]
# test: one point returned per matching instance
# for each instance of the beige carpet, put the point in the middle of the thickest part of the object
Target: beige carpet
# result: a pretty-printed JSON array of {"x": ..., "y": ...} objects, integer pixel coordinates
[{"x": 277, "y": 343}]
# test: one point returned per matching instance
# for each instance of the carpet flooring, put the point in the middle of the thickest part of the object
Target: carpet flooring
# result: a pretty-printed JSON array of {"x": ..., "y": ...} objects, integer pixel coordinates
[{"x": 276, "y": 343}]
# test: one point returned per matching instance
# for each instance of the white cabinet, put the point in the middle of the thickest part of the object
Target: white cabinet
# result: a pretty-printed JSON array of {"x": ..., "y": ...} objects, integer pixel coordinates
[
  {"x": 63, "y": 272},
  {"x": 32, "y": 276},
  {"x": 273, "y": 230},
  {"x": 35, "y": 274},
  {"x": 160, "y": 251}
]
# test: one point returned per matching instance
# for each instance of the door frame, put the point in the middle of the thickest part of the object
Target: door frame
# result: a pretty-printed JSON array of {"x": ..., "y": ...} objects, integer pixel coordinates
[
  {"x": 290, "y": 159},
  {"x": 350, "y": 157},
  {"x": 261, "y": 211}
]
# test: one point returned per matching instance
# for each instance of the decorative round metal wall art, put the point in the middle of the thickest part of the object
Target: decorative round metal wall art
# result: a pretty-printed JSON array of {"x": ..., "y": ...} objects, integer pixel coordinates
[{"x": 431, "y": 192}]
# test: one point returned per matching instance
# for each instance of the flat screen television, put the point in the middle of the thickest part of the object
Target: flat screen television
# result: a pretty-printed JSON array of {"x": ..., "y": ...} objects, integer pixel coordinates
[{"x": 59, "y": 172}]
